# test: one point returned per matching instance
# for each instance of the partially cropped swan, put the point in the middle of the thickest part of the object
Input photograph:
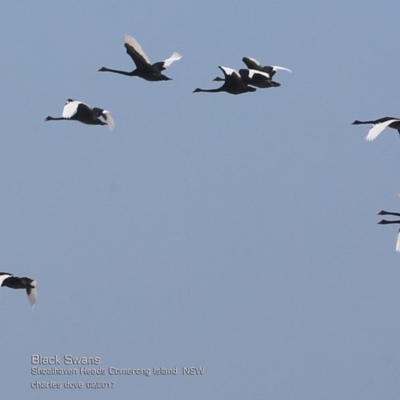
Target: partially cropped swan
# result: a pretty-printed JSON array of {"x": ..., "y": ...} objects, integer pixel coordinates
[
  {"x": 386, "y": 222},
  {"x": 14, "y": 282},
  {"x": 378, "y": 125}
]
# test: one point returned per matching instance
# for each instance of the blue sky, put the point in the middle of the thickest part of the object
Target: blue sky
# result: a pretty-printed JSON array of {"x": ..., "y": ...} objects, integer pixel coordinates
[{"x": 233, "y": 233}]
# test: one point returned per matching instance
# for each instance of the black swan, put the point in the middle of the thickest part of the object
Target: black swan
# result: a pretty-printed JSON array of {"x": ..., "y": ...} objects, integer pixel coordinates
[
  {"x": 252, "y": 63},
  {"x": 78, "y": 111},
  {"x": 255, "y": 78},
  {"x": 379, "y": 125},
  {"x": 233, "y": 84},
  {"x": 14, "y": 282},
  {"x": 144, "y": 69}
]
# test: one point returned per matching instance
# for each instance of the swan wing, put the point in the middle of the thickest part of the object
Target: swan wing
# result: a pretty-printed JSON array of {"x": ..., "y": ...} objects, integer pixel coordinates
[
  {"x": 70, "y": 108},
  {"x": 251, "y": 63},
  {"x": 135, "y": 51},
  {"x": 32, "y": 294},
  {"x": 278, "y": 68},
  {"x": 378, "y": 128},
  {"x": 253, "y": 73},
  {"x": 398, "y": 241},
  {"x": 4, "y": 276},
  {"x": 232, "y": 77},
  {"x": 175, "y": 57},
  {"x": 229, "y": 71},
  {"x": 109, "y": 119}
]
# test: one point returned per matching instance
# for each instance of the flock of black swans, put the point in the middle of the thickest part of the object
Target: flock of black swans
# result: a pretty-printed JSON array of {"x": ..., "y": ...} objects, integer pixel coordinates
[{"x": 235, "y": 82}]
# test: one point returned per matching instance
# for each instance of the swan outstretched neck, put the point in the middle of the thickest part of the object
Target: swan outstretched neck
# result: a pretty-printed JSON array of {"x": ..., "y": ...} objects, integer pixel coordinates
[{"x": 383, "y": 212}]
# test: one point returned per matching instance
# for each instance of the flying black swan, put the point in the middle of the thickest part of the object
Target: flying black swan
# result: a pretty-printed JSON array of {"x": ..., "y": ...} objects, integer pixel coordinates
[
  {"x": 14, "y": 282},
  {"x": 386, "y": 222},
  {"x": 379, "y": 125},
  {"x": 144, "y": 69},
  {"x": 233, "y": 84},
  {"x": 252, "y": 63},
  {"x": 78, "y": 111},
  {"x": 255, "y": 78}
]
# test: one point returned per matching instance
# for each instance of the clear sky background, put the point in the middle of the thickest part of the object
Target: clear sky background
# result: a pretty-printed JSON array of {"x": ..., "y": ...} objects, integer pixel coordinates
[{"x": 233, "y": 233}]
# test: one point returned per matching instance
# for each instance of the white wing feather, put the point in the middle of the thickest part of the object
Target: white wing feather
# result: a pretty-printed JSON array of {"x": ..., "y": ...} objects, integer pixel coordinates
[
  {"x": 70, "y": 108},
  {"x": 33, "y": 295},
  {"x": 229, "y": 71},
  {"x": 398, "y": 241},
  {"x": 277, "y": 67},
  {"x": 134, "y": 43},
  {"x": 253, "y": 72},
  {"x": 377, "y": 129},
  {"x": 109, "y": 119},
  {"x": 254, "y": 61},
  {"x": 175, "y": 57}
]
